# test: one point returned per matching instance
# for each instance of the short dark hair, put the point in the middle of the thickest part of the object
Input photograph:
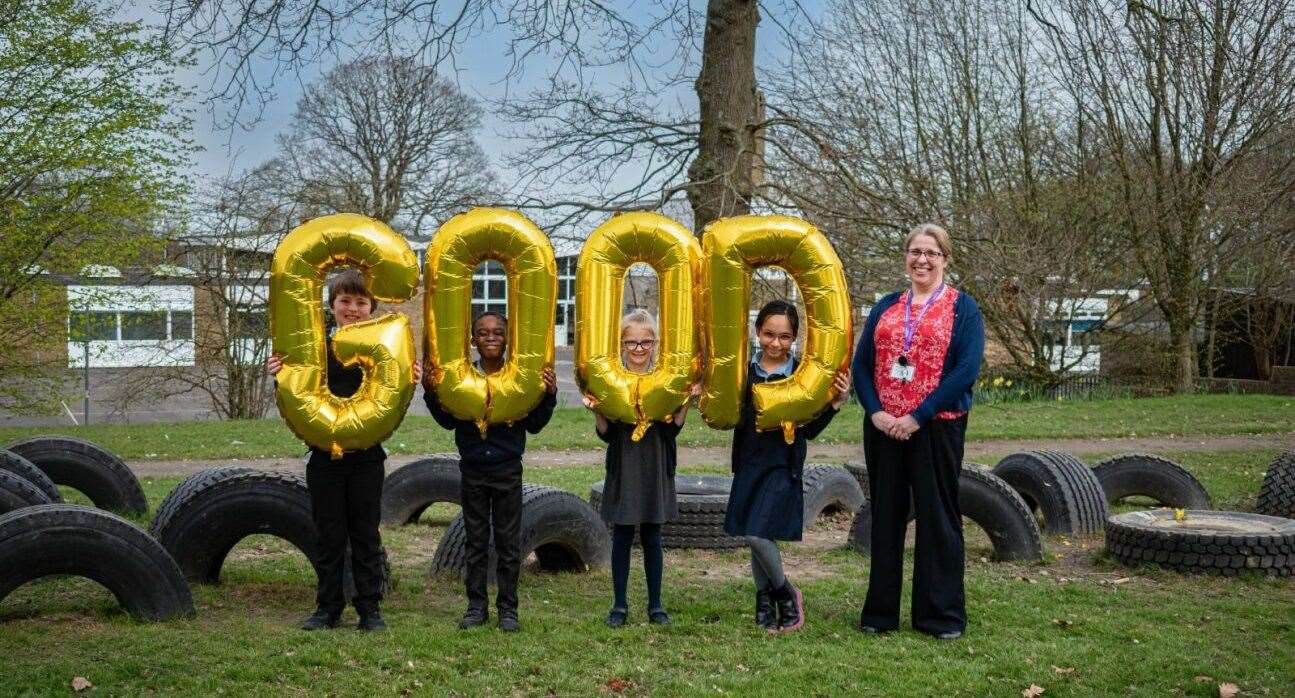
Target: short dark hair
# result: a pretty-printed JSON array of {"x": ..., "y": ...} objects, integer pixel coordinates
[
  {"x": 350, "y": 281},
  {"x": 779, "y": 307},
  {"x": 489, "y": 313}
]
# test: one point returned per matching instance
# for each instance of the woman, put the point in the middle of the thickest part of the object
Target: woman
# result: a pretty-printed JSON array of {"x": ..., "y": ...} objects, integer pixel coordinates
[
  {"x": 766, "y": 503},
  {"x": 917, "y": 360},
  {"x": 639, "y": 489}
]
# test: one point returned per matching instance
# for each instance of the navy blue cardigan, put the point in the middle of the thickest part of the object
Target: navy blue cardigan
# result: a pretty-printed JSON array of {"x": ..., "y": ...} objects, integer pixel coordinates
[{"x": 961, "y": 362}]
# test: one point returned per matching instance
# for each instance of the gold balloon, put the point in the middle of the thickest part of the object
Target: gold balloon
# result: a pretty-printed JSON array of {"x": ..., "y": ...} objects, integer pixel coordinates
[
  {"x": 608, "y": 253},
  {"x": 731, "y": 250},
  {"x": 459, "y": 246},
  {"x": 382, "y": 347}
]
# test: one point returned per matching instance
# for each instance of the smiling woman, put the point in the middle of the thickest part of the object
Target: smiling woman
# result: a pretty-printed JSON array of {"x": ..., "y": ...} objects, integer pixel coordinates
[{"x": 914, "y": 369}]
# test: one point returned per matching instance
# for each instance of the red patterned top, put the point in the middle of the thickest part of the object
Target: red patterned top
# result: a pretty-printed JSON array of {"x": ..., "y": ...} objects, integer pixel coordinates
[{"x": 930, "y": 344}]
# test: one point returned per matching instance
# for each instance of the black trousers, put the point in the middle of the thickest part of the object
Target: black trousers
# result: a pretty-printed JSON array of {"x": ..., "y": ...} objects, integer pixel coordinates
[
  {"x": 346, "y": 502},
  {"x": 926, "y": 469},
  {"x": 492, "y": 499}
]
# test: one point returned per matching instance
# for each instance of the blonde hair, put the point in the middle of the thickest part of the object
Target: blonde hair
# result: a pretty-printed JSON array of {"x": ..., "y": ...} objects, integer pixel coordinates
[
  {"x": 940, "y": 235},
  {"x": 639, "y": 318}
]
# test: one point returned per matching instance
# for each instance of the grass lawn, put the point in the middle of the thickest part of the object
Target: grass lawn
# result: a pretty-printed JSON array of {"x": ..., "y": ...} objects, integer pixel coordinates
[
  {"x": 1077, "y": 624},
  {"x": 573, "y": 428}
]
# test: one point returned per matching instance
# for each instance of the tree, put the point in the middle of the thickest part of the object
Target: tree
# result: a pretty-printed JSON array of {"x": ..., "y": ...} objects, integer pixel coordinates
[
  {"x": 388, "y": 138},
  {"x": 90, "y": 146},
  {"x": 1180, "y": 94},
  {"x": 900, "y": 112}
]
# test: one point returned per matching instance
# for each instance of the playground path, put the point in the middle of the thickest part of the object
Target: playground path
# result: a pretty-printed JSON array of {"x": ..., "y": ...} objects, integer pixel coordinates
[{"x": 976, "y": 451}]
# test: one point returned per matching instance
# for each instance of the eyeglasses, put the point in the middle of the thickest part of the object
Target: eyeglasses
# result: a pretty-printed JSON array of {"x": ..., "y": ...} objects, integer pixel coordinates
[
  {"x": 638, "y": 346},
  {"x": 929, "y": 254}
]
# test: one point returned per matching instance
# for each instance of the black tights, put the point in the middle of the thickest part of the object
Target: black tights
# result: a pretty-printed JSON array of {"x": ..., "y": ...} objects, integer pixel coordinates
[{"x": 622, "y": 541}]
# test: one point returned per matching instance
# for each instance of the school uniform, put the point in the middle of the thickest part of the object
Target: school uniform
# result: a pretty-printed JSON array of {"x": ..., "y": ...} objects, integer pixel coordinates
[
  {"x": 947, "y": 346},
  {"x": 491, "y": 494},
  {"x": 766, "y": 499},
  {"x": 346, "y": 504}
]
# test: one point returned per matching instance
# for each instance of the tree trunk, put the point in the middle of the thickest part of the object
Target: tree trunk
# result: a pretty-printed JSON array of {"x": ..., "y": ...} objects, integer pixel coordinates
[
  {"x": 1180, "y": 338},
  {"x": 721, "y": 173}
]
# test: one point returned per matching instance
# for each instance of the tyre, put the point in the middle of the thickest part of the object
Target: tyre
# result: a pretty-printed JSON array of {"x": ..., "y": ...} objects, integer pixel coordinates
[
  {"x": 208, "y": 513},
  {"x": 1277, "y": 495},
  {"x": 61, "y": 539},
  {"x": 1218, "y": 542},
  {"x": 703, "y": 501},
  {"x": 829, "y": 489},
  {"x": 987, "y": 501},
  {"x": 85, "y": 467},
  {"x": 563, "y": 532},
  {"x": 1064, "y": 490},
  {"x": 24, "y": 469},
  {"x": 17, "y": 493},
  {"x": 1145, "y": 475},
  {"x": 409, "y": 490},
  {"x": 859, "y": 469}
]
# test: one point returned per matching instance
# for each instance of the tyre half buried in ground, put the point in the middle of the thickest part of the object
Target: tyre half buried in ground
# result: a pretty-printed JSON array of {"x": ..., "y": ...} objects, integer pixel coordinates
[
  {"x": 1219, "y": 542},
  {"x": 1145, "y": 475},
  {"x": 987, "y": 501},
  {"x": 85, "y": 467},
  {"x": 410, "y": 489},
  {"x": 561, "y": 529},
  {"x": 59, "y": 539},
  {"x": 1064, "y": 490}
]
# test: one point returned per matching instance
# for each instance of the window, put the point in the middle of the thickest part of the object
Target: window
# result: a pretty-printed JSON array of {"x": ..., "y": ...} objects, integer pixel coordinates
[
  {"x": 478, "y": 288},
  {"x": 494, "y": 268},
  {"x": 143, "y": 324},
  {"x": 92, "y": 326},
  {"x": 248, "y": 323},
  {"x": 497, "y": 289},
  {"x": 181, "y": 324}
]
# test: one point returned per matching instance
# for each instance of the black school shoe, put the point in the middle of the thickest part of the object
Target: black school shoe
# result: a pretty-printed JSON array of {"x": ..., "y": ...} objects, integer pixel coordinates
[
  {"x": 617, "y": 617},
  {"x": 658, "y": 616},
  {"x": 508, "y": 621},
  {"x": 371, "y": 621},
  {"x": 322, "y": 619},
  {"x": 473, "y": 617},
  {"x": 765, "y": 617}
]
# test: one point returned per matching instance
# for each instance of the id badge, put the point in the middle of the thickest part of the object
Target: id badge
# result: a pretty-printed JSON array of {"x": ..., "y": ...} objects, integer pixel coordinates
[{"x": 902, "y": 372}]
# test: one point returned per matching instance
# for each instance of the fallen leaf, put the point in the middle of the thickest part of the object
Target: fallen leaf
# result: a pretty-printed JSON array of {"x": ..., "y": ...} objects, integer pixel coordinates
[
  {"x": 81, "y": 683},
  {"x": 1122, "y": 580},
  {"x": 1034, "y": 691},
  {"x": 616, "y": 685},
  {"x": 1228, "y": 690},
  {"x": 1059, "y": 670},
  {"x": 1061, "y": 622},
  {"x": 1204, "y": 679}
]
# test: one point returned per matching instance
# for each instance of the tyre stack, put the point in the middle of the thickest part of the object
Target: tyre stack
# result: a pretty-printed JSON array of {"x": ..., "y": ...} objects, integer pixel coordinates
[
  {"x": 990, "y": 503},
  {"x": 41, "y": 536},
  {"x": 703, "y": 504}
]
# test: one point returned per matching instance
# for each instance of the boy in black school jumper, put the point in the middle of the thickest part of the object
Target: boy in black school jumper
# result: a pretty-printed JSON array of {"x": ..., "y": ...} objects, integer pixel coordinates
[
  {"x": 492, "y": 480},
  {"x": 346, "y": 494}
]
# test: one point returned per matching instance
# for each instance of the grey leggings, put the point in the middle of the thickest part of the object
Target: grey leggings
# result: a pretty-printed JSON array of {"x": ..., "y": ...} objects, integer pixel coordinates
[{"x": 766, "y": 563}]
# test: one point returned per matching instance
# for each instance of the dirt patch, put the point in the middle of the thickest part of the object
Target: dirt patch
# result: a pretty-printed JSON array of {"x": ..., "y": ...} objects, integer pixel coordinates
[{"x": 977, "y": 451}]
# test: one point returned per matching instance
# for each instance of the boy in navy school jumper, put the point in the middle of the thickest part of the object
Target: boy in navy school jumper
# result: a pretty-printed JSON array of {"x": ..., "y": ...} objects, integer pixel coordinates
[
  {"x": 491, "y": 484},
  {"x": 346, "y": 494}
]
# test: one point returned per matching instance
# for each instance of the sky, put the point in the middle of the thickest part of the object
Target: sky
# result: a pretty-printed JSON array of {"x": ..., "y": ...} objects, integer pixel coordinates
[{"x": 480, "y": 70}]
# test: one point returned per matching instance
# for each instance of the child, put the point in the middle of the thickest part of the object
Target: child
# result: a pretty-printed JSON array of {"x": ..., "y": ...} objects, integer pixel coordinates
[
  {"x": 639, "y": 489},
  {"x": 491, "y": 485},
  {"x": 766, "y": 502},
  {"x": 346, "y": 494}
]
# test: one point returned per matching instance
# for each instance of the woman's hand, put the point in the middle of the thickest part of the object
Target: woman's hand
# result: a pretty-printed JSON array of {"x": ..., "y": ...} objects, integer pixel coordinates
[
  {"x": 274, "y": 364},
  {"x": 903, "y": 428},
  {"x": 841, "y": 388},
  {"x": 883, "y": 421},
  {"x": 550, "y": 380}
]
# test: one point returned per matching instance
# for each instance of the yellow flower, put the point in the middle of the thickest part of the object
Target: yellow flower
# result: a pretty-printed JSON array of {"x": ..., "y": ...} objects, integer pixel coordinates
[
  {"x": 1180, "y": 514},
  {"x": 998, "y": 381},
  {"x": 1009, "y": 382}
]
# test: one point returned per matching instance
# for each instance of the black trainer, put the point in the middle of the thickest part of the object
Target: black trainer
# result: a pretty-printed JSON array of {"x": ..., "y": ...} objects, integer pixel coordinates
[
  {"x": 764, "y": 613},
  {"x": 791, "y": 607},
  {"x": 322, "y": 619},
  {"x": 508, "y": 621},
  {"x": 371, "y": 620},
  {"x": 473, "y": 617},
  {"x": 658, "y": 616}
]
